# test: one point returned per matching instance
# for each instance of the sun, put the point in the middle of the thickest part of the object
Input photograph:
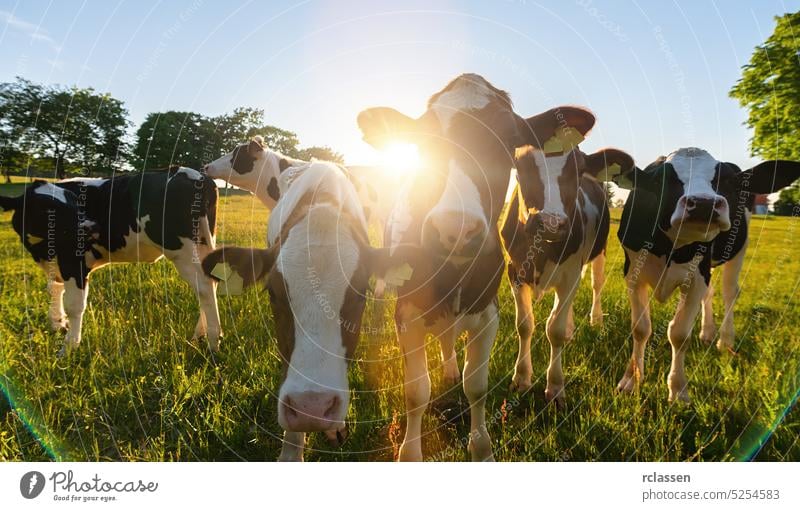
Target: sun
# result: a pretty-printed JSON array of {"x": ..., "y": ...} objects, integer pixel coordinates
[{"x": 400, "y": 158}]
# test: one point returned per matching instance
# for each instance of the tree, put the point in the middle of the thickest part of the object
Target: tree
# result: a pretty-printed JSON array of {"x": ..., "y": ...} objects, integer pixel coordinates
[
  {"x": 770, "y": 91},
  {"x": 320, "y": 153},
  {"x": 788, "y": 200},
  {"x": 76, "y": 127},
  {"x": 179, "y": 138}
]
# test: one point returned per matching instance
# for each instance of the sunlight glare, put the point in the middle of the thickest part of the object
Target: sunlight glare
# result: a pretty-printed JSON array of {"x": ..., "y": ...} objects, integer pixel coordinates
[{"x": 399, "y": 158}]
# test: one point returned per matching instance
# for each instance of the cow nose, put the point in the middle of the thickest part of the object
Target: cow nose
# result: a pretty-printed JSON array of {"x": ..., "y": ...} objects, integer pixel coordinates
[
  {"x": 704, "y": 208},
  {"x": 454, "y": 232},
  {"x": 547, "y": 226},
  {"x": 312, "y": 411}
]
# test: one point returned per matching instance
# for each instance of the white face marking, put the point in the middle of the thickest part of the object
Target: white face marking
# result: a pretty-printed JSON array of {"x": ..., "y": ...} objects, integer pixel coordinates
[
  {"x": 550, "y": 169},
  {"x": 459, "y": 209},
  {"x": 317, "y": 263},
  {"x": 53, "y": 191},
  {"x": 317, "y": 177},
  {"x": 467, "y": 94},
  {"x": 695, "y": 168}
]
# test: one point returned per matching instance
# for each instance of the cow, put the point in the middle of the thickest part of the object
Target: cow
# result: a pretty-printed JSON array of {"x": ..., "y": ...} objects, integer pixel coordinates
[
  {"x": 75, "y": 226},
  {"x": 557, "y": 223},
  {"x": 253, "y": 167},
  {"x": 446, "y": 219},
  {"x": 686, "y": 213},
  {"x": 317, "y": 271},
  {"x": 256, "y": 168}
]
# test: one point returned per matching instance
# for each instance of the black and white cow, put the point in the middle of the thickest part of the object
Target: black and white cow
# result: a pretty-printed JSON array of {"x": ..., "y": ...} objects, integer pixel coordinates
[
  {"x": 686, "y": 213},
  {"x": 317, "y": 271},
  {"x": 446, "y": 218},
  {"x": 75, "y": 226},
  {"x": 558, "y": 222},
  {"x": 254, "y": 167}
]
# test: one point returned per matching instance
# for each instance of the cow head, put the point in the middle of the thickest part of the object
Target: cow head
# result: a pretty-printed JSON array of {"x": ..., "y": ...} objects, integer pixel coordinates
[
  {"x": 317, "y": 273},
  {"x": 550, "y": 168},
  {"x": 695, "y": 192},
  {"x": 253, "y": 167},
  {"x": 466, "y": 139}
]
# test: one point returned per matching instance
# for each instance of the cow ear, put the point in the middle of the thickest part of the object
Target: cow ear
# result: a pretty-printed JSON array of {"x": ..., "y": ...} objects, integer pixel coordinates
[
  {"x": 769, "y": 176},
  {"x": 381, "y": 126},
  {"x": 606, "y": 164},
  {"x": 256, "y": 146},
  {"x": 239, "y": 266},
  {"x": 10, "y": 203},
  {"x": 542, "y": 127},
  {"x": 395, "y": 266}
]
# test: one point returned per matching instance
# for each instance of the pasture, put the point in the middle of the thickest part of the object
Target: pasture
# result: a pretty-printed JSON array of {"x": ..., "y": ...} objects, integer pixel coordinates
[{"x": 139, "y": 388}]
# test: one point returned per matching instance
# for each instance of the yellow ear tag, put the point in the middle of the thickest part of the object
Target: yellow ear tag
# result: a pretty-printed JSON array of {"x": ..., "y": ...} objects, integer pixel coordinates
[
  {"x": 231, "y": 283},
  {"x": 563, "y": 141},
  {"x": 33, "y": 240},
  {"x": 398, "y": 275},
  {"x": 612, "y": 171}
]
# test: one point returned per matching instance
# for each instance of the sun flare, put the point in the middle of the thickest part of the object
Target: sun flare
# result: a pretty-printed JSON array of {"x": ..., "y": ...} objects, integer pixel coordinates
[{"x": 399, "y": 157}]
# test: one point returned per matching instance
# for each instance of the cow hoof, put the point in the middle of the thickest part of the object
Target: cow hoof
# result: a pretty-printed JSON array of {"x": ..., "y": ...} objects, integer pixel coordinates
[
  {"x": 408, "y": 453},
  {"x": 596, "y": 321},
  {"x": 679, "y": 397},
  {"x": 627, "y": 384},
  {"x": 725, "y": 347},
  {"x": 556, "y": 396},
  {"x": 520, "y": 385},
  {"x": 707, "y": 339},
  {"x": 60, "y": 326},
  {"x": 481, "y": 453}
]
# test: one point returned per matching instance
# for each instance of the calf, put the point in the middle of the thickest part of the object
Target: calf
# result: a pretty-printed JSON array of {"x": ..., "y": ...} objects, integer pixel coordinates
[
  {"x": 686, "y": 213},
  {"x": 253, "y": 167},
  {"x": 316, "y": 270},
  {"x": 558, "y": 222},
  {"x": 75, "y": 226},
  {"x": 447, "y": 215}
]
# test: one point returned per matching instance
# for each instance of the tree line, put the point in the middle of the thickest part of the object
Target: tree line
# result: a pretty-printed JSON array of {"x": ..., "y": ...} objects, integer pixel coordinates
[{"x": 57, "y": 131}]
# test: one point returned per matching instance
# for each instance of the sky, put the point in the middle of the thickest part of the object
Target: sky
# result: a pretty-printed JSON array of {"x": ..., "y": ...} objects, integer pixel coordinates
[{"x": 656, "y": 74}]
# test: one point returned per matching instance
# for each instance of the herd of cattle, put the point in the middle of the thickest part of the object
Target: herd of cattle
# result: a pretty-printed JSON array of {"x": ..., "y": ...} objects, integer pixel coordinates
[{"x": 445, "y": 248}]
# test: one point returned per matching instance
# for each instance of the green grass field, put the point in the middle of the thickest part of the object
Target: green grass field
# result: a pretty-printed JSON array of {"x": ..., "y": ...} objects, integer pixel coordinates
[{"x": 139, "y": 389}]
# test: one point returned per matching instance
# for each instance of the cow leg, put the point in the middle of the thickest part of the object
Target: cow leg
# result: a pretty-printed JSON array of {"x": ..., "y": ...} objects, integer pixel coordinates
[
  {"x": 708, "y": 329},
  {"x": 292, "y": 446},
  {"x": 74, "y": 305},
  {"x": 730, "y": 292},
  {"x": 447, "y": 341},
  {"x": 598, "y": 281},
  {"x": 641, "y": 328},
  {"x": 680, "y": 332},
  {"x": 482, "y": 331},
  {"x": 205, "y": 289},
  {"x": 56, "y": 314},
  {"x": 523, "y": 369},
  {"x": 417, "y": 383},
  {"x": 558, "y": 335}
]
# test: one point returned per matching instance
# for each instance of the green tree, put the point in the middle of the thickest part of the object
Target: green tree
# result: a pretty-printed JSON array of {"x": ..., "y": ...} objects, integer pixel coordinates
[
  {"x": 173, "y": 138},
  {"x": 770, "y": 91},
  {"x": 788, "y": 200},
  {"x": 77, "y": 128},
  {"x": 318, "y": 152}
]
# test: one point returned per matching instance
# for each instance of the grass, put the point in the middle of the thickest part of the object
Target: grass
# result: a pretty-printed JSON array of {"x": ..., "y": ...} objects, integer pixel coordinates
[{"x": 139, "y": 389}]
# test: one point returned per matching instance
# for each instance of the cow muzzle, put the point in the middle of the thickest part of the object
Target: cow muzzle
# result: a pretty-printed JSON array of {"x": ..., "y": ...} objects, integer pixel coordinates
[
  {"x": 703, "y": 212},
  {"x": 312, "y": 411},
  {"x": 551, "y": 227},
  {"x": 454, "y": 233}
]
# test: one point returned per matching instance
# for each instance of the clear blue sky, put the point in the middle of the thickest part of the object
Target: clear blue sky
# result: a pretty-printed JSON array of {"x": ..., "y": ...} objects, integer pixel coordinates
[{"x": 657, "y": 74}]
